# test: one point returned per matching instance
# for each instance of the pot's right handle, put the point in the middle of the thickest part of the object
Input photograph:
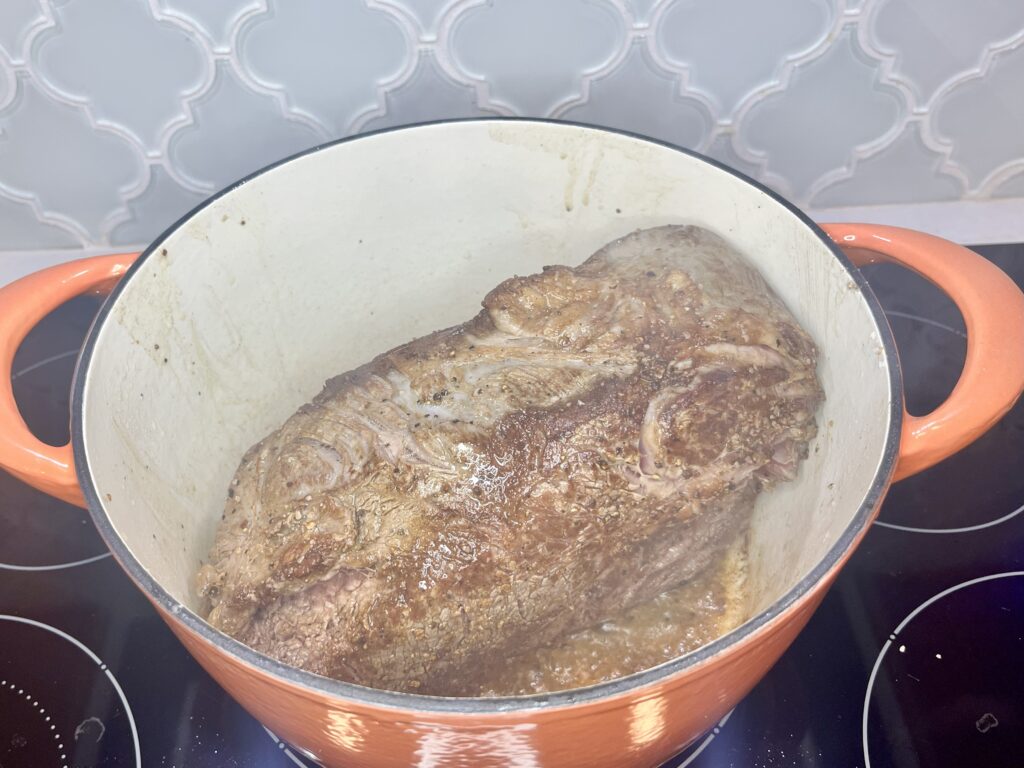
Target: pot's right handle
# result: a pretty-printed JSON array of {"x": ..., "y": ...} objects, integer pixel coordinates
[{"x": 993, "y": 310}]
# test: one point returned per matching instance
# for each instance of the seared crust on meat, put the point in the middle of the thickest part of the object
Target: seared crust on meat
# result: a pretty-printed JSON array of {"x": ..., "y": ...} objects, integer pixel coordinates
[{"x": 594, "y": 436}]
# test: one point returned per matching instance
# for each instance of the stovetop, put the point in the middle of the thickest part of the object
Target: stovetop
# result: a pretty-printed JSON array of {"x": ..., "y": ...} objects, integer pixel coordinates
[{"x": 913, "y": 660}]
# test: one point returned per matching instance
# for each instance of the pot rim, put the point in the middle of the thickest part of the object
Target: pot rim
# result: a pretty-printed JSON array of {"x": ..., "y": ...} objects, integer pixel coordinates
[{"x": 317, "y": 684}]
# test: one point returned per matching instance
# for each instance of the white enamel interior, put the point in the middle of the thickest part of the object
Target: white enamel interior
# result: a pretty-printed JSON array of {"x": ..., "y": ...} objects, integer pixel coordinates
[{"x": 312, "y": 268}]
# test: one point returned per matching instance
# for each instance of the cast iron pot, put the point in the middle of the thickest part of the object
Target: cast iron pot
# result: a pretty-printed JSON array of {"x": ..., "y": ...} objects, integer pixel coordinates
[{"x": 238, "y": 313}]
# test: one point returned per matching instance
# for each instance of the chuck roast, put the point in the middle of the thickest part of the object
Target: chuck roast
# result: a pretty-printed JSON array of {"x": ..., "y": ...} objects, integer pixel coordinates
[{"x": 593, "y": 437}]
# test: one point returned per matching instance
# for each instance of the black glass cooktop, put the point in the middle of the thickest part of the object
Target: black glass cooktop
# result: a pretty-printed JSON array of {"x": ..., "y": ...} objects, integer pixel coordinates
[{"x": 915, "y": 659}]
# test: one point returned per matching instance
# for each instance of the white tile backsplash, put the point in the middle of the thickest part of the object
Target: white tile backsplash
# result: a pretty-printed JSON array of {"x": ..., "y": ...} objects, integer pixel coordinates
[
  {"x": 330, "y": 61},
  {"x": 903, "y": 171},
  {"x": 734, "y": 48},
  {"x": 933, "y": 43},
  {"x": 120, "y": 65},
  {"x": 825, "y": 110},
  {"x": 622, "y": 98},
  {"x": 230, "y": 130},
  {"x": 533, "y": 57},
  {"x": 970, "y": 121},
  {"x": 117, "y": 117}
]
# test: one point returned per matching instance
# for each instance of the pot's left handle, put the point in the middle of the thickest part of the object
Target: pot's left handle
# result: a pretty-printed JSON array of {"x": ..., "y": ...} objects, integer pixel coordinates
[{"x": 23, "y": 304}]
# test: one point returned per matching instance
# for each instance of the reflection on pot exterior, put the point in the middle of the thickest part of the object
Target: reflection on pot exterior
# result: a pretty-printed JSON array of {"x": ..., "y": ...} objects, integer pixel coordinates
[
  {"x": 346, "y": 730},
  {"x": 647, "y": 721},
  {"x": 444, "y": 747}
]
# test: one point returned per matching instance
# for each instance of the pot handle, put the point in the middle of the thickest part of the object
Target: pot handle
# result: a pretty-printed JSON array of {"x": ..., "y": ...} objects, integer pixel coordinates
[
  {"x": 23, "y": 304},
  {"x": 993, "y": 309}
]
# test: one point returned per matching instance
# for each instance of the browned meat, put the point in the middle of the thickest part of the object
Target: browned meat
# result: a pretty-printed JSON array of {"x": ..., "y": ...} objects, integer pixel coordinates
[{"x": 591, "y": 438}]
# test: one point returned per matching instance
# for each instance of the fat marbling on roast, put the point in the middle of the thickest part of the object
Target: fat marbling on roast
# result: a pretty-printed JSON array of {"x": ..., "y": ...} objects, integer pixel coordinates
[{"x": 593, "y": 437}]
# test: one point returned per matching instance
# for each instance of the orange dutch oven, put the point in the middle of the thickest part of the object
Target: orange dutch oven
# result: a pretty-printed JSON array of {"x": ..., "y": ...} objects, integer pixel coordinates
[{"x": 237, "y": 314}]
